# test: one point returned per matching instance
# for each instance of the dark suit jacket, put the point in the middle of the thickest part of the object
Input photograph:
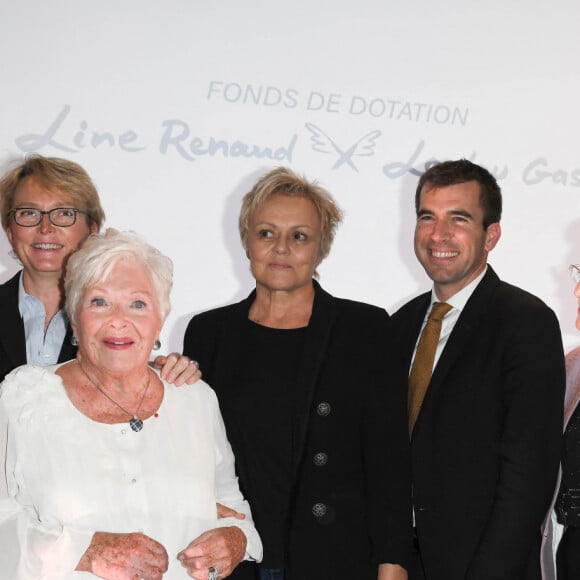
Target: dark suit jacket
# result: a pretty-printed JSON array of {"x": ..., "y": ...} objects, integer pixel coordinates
[
  {"x": 353, "y": 409},
  {"x": 12, "y": 340},
  {"x": 486, "y": 445}
]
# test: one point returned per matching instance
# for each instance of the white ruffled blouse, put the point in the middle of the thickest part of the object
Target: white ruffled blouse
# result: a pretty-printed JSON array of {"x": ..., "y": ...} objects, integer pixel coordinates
[{"x": 68, "y": 476}]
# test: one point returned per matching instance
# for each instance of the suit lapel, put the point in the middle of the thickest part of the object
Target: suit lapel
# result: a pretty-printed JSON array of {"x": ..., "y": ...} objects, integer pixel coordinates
[
  {"x": 12, "y": 328},
  {"x": 12, "y": 337},
  {"x": 468, "y": 322},
  {"x": 315, "y": 345},
  {"x": 408, "y": 335},
  {"x": 230, "y": 341},
  {"x": 67, "y": 351}
]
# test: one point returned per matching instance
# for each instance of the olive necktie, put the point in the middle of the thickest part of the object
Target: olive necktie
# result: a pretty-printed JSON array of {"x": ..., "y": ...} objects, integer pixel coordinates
[{"x": 423, "y": 364}]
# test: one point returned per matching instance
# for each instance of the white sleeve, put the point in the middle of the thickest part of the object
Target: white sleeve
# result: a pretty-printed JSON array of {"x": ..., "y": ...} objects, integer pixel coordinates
[
  {"x": 31, "y": 549},
  {"x": 10, "y": 552}
]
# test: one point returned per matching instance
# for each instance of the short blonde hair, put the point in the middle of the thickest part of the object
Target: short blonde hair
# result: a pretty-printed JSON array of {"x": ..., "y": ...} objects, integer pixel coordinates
[
  {"x": 100, "y": 253},
  {"x": 284, "y": 181},
  {"x": 52, "y": 172}
]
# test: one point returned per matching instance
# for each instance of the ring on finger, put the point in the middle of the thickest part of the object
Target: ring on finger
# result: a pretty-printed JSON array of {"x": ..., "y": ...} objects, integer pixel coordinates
[{"x": 212, "y": 573}]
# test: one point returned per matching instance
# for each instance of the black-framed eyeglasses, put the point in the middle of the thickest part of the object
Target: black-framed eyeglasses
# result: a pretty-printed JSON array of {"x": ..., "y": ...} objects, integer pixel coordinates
[
  {"x": 575, "y": 273},
  {"x": 62, "y": 217}
]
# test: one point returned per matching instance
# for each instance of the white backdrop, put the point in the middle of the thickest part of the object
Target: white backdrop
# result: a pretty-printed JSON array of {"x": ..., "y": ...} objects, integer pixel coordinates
[{"x": 176, "y": 107}]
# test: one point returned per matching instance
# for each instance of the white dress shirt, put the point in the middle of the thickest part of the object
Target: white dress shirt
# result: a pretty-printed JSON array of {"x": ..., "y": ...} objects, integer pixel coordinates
[
  {"x": 69, "y": 476},
  {"x": 458, "y": 302}
]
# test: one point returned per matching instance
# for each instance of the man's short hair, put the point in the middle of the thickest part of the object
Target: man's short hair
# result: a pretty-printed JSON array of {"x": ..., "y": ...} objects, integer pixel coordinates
[{"x": 461, "y": 171}]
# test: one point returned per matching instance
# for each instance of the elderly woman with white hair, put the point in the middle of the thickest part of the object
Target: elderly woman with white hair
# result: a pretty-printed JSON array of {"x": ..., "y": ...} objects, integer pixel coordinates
[{"x": 111, "y": 473}]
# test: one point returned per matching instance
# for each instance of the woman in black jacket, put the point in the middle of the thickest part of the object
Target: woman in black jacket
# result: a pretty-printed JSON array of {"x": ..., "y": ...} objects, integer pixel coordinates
[{"x": 314, "y": 408}]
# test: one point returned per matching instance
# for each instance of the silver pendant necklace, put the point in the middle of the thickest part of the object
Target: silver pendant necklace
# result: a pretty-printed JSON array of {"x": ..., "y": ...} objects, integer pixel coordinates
[{"x": 135, "y": 423}]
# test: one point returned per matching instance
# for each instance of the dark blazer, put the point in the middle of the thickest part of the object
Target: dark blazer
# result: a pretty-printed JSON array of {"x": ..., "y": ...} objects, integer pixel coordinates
[
  {"x": 353, "y": 410},
  {"x": 12, "y": 340},
  {"x": 486, "y": 445}
]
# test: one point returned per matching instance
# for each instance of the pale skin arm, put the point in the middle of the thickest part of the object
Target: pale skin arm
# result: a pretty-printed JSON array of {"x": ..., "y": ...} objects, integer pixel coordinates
[
  {"x": 226, "y": 512},
  {"x": 391, "y": 572},
  {"x": 124, "y": 557},
  {"x": 177, "y": 369},
  {"x": 223, "y": 548}
]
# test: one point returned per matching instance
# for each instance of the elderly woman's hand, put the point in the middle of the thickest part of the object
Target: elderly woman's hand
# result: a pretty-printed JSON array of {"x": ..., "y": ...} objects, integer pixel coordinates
[
  {"x": 222, "y": 548},
  {"x": 124, "y": 557},
  {"x": 177, "y": 369}
]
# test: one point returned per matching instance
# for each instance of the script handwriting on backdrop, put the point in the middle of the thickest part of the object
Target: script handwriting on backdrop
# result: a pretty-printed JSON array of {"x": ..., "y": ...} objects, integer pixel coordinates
[
  {"x": 56, "y": 137},
  {"x": 66, "y": 133}
]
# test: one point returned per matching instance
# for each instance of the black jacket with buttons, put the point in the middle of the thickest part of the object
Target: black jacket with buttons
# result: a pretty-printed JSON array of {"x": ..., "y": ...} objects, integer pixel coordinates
[{"x": 350, "y": 507}]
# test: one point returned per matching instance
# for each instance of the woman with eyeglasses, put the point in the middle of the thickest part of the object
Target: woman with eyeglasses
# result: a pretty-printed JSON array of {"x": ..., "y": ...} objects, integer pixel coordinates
[
  {"x": 48, "y": 207},
  {"x": 567, "y": 500}
]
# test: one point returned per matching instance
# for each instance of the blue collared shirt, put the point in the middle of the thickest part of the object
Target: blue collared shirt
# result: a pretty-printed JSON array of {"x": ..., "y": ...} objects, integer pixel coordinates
[{"x": 42, "y": 348}]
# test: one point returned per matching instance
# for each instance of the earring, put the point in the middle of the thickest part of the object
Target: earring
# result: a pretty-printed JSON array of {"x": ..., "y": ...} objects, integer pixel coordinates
[
  {"x": 74, "y": 340},
  {"x": 157, "y": 345}
]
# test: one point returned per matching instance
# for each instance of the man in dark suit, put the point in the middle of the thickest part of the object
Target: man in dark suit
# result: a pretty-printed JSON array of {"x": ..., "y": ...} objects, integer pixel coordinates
[{"x": 486, "y": 442}]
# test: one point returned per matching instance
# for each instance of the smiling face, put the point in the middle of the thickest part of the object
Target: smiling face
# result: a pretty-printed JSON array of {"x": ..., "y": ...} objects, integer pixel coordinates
[
  {"x": 450, "y": 241},
  {"x": 45, "y": 248},
  {"x": 118, "y": 321},
  {"x": 284, "y": 243}
]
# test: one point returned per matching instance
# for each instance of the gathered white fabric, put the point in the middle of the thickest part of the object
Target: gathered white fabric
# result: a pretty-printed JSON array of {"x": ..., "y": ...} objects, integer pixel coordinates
[{"x": 68, "y": 476}]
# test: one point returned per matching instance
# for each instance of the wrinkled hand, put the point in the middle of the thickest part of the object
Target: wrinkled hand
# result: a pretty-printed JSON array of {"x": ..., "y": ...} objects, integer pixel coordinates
[
  {"x": 124, "y": 557},
  {"x": 177, "y": 369},
  {"x": 227, "y": 512},
  {"x": 223, "y": 548}
]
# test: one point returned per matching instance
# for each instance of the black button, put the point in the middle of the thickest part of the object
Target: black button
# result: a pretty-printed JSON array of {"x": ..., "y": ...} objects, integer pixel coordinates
[
  {"x": 320, "y": 459},
  {"x": 323, "y": 409},
  {"x": 319, "y": 510}
]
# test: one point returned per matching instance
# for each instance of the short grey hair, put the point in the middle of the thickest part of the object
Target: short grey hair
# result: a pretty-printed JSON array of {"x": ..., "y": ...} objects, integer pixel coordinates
[{"x": 93, "y": 264}]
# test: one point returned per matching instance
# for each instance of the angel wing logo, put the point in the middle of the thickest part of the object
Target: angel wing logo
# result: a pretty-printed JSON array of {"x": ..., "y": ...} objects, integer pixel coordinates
[{"x": 322, "y": 143}]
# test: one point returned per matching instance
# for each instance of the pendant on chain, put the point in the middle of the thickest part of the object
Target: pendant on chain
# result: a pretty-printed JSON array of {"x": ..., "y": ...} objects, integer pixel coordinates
[{"x": 136, "y": 423}]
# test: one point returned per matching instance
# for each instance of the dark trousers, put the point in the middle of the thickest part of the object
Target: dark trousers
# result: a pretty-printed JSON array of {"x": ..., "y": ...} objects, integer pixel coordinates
[
  {"x": 533, "y": 572},
  {"x": 568, "y": 554},
  {"x": 416, "y": 572},
  {"x": 271, "y": 574}
]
